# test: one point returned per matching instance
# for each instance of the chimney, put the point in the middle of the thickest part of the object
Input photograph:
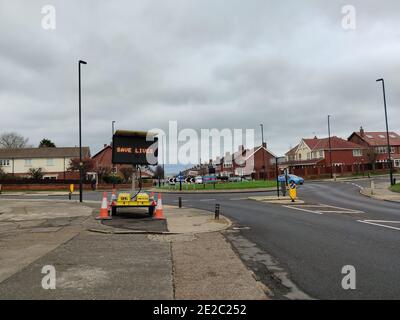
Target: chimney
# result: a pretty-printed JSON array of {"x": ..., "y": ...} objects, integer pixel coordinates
[
  {"x": 361, "y": 131},
  {"x": 264, "y": 145}
]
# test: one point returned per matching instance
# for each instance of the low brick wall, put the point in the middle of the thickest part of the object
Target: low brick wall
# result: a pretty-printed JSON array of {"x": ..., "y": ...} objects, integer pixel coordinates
[{"x": 64, "y": 187}]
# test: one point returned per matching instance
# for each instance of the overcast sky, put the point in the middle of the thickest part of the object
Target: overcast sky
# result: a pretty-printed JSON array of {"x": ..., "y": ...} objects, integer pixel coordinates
[{"x": 206, "y": 64}]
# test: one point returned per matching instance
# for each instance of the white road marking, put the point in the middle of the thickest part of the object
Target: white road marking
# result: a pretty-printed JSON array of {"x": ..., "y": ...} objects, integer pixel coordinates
[
  {"x": 319, "y": 208},
  {"x": 387, "y": 221},
  {"x": 207, "y": 200},
  {"x": 380, "y": 225},
  {"x": 358, "y": 186},
  {"x": 237, "y": 199},
  {"x": 301, "y": 209}
]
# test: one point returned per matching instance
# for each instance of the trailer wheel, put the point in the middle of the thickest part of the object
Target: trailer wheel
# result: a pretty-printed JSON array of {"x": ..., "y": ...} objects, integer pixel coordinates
[
  {"x": 113, "y": 211},
  {"x": 151, "y": 211}
]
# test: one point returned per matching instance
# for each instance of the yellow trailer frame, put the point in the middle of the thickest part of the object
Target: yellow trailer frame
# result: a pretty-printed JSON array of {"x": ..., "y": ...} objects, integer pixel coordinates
[{"x": 124, "y": 200}]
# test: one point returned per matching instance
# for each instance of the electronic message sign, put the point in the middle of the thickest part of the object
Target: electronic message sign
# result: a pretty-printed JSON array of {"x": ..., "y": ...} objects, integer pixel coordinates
[{"x": 132, "y": 147}]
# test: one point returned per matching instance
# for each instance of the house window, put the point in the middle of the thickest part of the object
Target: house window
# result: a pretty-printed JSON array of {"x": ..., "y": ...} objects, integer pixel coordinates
[
  {"x": 357, "y": 153},
  {"x": 50, "y": 162},
  {"x": 321, "y": 154},
  {"x": 4, "y": 162},
  {"x": 397, "y": 163},
  {"x": 28, "y": 162},
  {"x": 299, "y": 156},
  {"x": 384, "y": 149}
]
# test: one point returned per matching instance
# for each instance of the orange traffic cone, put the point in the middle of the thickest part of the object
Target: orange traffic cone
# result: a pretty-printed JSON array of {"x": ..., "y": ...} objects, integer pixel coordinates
[
  {"x": 104, "y": 209},
  {"x": 159, "y": 209}
]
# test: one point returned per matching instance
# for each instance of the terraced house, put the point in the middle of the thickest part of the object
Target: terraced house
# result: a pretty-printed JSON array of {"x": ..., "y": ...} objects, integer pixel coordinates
[
  {"x": 313, "y": 157},
  {"x": 53, "y": 161}
]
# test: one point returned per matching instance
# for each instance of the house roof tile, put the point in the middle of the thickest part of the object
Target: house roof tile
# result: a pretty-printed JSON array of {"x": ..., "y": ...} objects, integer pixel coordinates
[{"x": 68, "y": 152}]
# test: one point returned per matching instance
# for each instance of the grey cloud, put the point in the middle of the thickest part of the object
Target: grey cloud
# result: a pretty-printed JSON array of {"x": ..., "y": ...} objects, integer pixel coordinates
[{"x": 222, "y": 64}]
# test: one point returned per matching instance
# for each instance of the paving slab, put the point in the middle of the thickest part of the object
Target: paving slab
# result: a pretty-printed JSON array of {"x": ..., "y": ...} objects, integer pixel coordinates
[
  {"x": 191, "y": 220},
  {"x": 207, "y": 268},
  {"x": 96, "y": 266}
]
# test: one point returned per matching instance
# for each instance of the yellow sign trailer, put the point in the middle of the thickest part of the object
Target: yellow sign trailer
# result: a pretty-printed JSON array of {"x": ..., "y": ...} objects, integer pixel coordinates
[{"x": 142, "y": 200}]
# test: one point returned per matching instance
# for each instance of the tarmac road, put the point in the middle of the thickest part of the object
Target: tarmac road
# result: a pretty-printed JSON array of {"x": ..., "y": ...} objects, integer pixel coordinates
[{"x": 313, "y": 243}]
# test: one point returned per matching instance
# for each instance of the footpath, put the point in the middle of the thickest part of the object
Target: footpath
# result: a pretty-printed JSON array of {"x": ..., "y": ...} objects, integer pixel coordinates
[
  {"x": 381, "y": 192},
  {"x": 185, "y": 256}
]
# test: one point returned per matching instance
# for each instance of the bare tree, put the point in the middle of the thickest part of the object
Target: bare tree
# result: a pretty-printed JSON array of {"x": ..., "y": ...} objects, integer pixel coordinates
[
  {"x": 36, "y": 173},
  {"x": 87, "y": 165},
  {"x": 127, "y": 173},
  {"x": 372, "y": 156},
  {"x": 12, "y": 140},
  {"x": 102, "y": 172}
]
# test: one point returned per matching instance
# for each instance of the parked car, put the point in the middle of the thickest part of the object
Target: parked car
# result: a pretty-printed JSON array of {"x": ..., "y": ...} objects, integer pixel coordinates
[
  {"x": 198, "y": 180},
  {"x": 234, "y": 179},
  {"x": 291, "y": 177}
]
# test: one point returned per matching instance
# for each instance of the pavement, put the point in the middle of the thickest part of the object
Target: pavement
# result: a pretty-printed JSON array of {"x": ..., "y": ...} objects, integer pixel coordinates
[
  {"x": 381, "y": 192},
  {"x": 191, "y": 259}
]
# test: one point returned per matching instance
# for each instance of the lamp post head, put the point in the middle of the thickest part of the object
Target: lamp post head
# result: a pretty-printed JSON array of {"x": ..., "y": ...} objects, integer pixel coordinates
[
  {"x": 379, "y": 80},
  {"x": 82, "y": 62}
]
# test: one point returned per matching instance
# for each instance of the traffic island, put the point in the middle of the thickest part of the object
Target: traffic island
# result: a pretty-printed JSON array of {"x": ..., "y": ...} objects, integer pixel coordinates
[
  {"x": 277, "y": 200},
  {"x": 178, "y": 221}
]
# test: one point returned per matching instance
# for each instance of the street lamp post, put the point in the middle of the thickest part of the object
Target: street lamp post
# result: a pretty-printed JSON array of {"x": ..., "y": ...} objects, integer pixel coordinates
[
  {"x": 330, "y": 145},
  {"x": 80, "y": 135},
  {"x": 262, "y": 148},
  {"x": 387, "y": 132},
  {"x": 112, "y": 127}
]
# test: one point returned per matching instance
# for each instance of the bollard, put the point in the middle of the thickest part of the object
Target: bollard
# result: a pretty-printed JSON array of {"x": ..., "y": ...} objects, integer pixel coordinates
[
  {"x": 372, "y": 186},
  {"x": 180, "y": 202},
  {"x": 69, "y": 195},
  {"x": 217, "y": 207}
]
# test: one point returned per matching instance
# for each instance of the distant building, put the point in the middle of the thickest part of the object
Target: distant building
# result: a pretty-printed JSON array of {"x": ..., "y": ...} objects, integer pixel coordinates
[
  {"x": 53, "y": 161},
  {"x": 256, "y": 163},
  {"x": 376, "y": 143}
]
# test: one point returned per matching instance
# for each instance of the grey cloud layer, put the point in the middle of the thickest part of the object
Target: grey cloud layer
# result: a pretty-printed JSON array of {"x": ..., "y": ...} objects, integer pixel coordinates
[{"x": 206, "y": 64}]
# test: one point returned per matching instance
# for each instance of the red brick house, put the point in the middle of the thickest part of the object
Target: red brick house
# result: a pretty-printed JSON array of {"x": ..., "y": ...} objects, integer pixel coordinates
[
  {"x": 103, "y": 163},
  {"x": 376, "y": 145},
  {"x": 312, "y": 157}
]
